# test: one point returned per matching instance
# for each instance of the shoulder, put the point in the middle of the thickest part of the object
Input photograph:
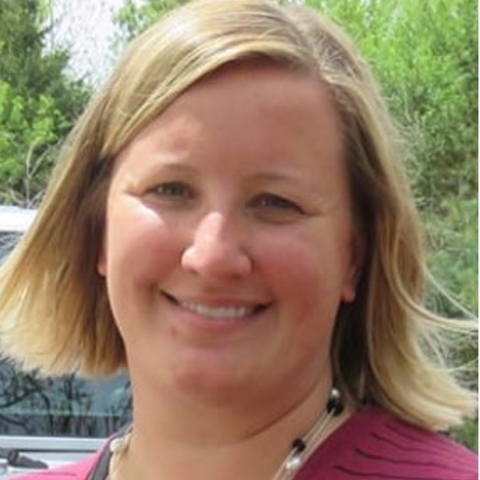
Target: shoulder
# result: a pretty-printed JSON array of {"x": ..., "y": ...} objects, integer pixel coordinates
[
  {"x": 75, "y": 471},
  {"x": 375, "y": 444}
]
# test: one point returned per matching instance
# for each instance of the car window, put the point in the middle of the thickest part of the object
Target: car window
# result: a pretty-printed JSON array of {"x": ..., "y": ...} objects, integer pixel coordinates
[
  {"x": 67, "y": 406},
  {"x": 7, "y": 241}
]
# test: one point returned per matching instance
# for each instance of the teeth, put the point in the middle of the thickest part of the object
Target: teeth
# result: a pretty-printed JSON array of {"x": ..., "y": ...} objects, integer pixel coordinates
[{"x": 218, "y": 313}]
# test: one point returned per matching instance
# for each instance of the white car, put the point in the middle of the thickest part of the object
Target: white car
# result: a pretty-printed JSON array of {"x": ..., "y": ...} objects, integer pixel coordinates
[
  {"x": 13, "y": 222},
  {"x": 45, "y": 422}
]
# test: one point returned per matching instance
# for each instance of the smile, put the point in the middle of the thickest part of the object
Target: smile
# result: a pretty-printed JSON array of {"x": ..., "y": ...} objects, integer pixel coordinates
[
  {"x": 223, "y": 312},
  {"x": 218, "y": 313}
]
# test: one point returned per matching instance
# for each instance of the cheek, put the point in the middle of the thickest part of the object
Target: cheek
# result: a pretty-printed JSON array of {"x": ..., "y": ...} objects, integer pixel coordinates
[
  {"x": 313, "y": 268},
  {"x": 306, "y": 296},
  {"x": 307, "y": 275},
  {"x": 140, "y": 249}
]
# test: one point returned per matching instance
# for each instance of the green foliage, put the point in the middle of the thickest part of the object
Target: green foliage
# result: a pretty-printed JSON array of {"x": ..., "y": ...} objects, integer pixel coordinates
[
  {"x": 468, "y": 434},
  {"x": 425, "y": 57},
  {"x": 38, "y": 103},
  {"x": 454, "y": 254},
  {"x": 133, "y": 19}
]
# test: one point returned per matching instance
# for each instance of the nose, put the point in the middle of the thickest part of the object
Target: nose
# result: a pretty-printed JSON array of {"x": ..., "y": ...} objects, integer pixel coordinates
[{"x": 215, "y": 249}]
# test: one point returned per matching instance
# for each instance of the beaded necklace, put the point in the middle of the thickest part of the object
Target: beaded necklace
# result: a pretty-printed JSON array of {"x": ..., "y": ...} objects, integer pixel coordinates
[{"x": 301, "y": 449}]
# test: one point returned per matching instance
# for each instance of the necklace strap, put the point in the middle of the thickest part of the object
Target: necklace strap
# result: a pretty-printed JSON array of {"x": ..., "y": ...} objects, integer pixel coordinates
[{"x": 303, "y": 447}]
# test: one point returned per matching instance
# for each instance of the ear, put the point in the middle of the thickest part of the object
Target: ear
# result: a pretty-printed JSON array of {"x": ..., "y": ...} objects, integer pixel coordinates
[{"x": 355, "y": 266}]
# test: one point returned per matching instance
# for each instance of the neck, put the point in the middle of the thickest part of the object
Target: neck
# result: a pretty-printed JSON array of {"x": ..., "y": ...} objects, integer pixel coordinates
[{"x": 198, "y": 442}]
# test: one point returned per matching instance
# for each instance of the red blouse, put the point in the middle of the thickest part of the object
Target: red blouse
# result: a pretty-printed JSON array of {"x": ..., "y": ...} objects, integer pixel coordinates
[{"x": 371, "y": 445}]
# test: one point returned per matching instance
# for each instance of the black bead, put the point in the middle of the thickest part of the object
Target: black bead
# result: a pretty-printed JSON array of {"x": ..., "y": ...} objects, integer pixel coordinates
[{"x": 299, "y": 445}]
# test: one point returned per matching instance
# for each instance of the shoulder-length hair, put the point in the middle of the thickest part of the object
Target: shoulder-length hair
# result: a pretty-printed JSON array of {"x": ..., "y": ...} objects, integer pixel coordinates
[{"x": 54, "y": 308}]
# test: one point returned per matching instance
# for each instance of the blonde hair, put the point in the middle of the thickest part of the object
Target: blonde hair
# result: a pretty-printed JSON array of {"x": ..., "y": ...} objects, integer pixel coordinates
[{"x": 54, "y": 308}]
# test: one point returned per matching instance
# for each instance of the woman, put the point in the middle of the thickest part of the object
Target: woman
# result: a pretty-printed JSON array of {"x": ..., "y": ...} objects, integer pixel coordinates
[{"x": 231, "y": 223}]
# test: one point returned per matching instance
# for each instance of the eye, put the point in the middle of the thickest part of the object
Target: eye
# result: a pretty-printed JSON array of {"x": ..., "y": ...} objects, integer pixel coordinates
[
  {"x": 275, "y": 201},
  {"x": 174, "y": 190},
  {"x": 275, "y": 208}
]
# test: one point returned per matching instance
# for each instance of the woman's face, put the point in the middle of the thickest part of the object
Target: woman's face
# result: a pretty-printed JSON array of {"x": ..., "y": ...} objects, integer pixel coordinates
[{"x": 230, "y": 242}]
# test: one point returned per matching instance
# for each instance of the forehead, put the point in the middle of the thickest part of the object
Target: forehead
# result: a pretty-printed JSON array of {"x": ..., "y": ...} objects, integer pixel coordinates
[
  {"x": 273, "y": 81},
  {"x": 268, "y": 94}
]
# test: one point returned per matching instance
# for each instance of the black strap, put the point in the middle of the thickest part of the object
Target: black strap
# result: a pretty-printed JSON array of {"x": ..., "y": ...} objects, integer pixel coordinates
[{"x": 100, "y": 469}]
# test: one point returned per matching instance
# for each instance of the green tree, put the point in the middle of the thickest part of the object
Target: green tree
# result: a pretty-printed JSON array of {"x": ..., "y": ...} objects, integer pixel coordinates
[
  {"x": 38, "y": 101},
  {"x": 133, "y": 18}
]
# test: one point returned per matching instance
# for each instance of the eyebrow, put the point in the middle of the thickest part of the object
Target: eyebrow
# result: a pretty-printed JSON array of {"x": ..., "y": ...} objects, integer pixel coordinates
[
  {"x": 168, "y": 165},
  {"x": 266, "y": 175},
  {"x": 176, "y": 165},
  {"x": 275, "y": 176},
  {"x": 282, "y": 177}
]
